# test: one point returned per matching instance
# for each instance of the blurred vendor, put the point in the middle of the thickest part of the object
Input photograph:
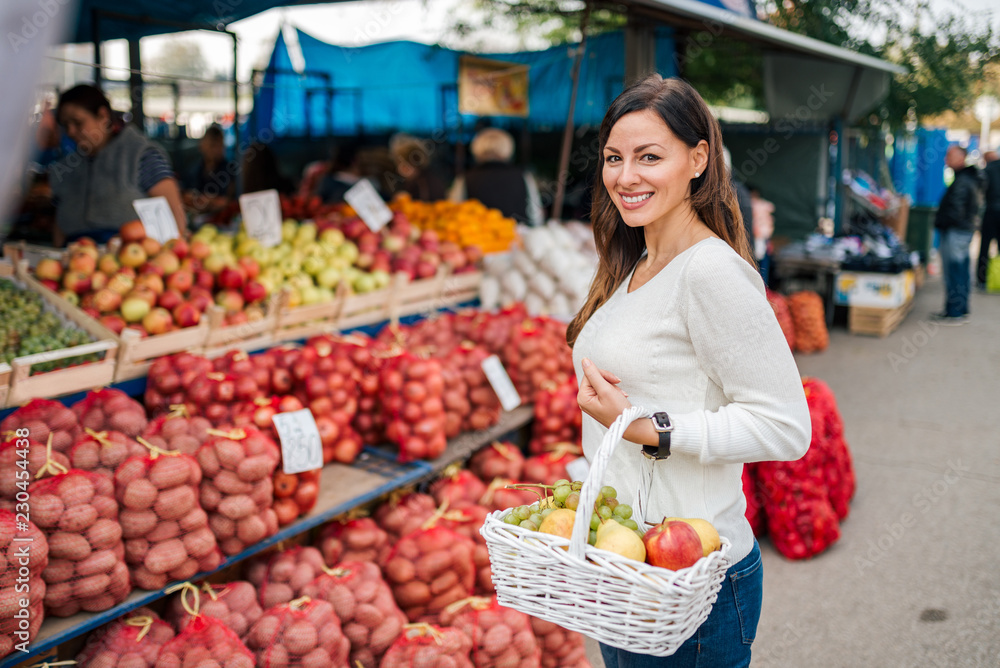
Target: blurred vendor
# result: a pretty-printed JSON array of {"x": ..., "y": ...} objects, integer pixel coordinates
[
  {"x": 210, "y": 186},
  {"x": 114, "y": 164},
  {"x": 498, "y": 183}
]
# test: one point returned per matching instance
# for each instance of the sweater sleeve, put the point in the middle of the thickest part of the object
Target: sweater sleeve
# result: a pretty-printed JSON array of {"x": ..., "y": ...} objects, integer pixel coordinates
[{"x": 739, "y": 344}]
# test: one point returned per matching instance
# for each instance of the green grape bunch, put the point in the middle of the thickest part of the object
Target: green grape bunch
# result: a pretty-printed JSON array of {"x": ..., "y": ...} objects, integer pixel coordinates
[{"x": 566, "y": 494}]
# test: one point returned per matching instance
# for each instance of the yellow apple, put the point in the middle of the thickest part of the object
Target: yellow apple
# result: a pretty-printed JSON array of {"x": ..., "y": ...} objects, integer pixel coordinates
[{"x": 706, "y": 532}]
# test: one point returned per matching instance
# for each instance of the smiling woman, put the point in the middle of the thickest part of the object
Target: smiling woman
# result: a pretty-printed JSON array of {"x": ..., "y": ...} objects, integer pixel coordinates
[{"x": 677, "y": 322}]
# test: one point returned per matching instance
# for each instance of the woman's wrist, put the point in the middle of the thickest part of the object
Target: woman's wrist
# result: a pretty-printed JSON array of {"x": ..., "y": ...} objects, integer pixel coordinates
[{"x": 641, "y": 432}]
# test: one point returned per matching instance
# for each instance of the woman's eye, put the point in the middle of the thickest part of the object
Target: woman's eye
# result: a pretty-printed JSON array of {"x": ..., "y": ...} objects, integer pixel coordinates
[
  {"x": 612, "y": 159},
  {"x": 649, "y": 157}
]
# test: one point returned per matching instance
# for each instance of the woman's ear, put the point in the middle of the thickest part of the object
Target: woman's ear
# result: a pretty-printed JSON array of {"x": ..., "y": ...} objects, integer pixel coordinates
[
  {"x": 104, "y": 116},
  {"x": 699, "y": 157}
]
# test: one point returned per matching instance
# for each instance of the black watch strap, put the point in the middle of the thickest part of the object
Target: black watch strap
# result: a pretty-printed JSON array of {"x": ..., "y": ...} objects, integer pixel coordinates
[{"x": 664, "y": 428}]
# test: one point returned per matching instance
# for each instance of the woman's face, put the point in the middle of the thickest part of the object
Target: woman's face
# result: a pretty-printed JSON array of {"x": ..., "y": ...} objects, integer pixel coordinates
[
  {"x": 647, "y": 169},
  {"x": 90, "y": 132}
]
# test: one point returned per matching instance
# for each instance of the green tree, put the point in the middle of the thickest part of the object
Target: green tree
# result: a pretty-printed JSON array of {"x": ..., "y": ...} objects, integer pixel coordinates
[{"x": 181, "y": 58}]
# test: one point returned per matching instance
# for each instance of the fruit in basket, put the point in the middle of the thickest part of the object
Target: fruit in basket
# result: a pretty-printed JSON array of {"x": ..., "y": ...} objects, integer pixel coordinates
[
  {"x": 559, "y": 523},
  {"x": 614, "y": 537},
  {"x": 672, "y": 544},
  {"x": 709, "y": 537}
]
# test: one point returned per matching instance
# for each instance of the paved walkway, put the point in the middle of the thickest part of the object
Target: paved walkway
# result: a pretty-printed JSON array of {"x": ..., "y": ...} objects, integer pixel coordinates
[{"x": 915, "y": 579}]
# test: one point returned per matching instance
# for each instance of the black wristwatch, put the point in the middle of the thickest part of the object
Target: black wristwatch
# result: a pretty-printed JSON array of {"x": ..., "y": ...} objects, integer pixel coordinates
[{"x": 663, "y": 427}]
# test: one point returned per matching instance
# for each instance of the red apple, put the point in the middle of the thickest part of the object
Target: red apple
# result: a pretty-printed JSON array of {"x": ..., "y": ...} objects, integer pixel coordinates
[
  {"x": 251, "y": 269},
  {"x": 121, "y": 283},
  {"x": 199, "y": 249},
  {"x": 49, "y": 269},
  {"x": 231, "y": 278},
  {"x": 98, "y": 280},
  {"x": 181, "y": 280},
  {"x": 236, "y": 318},
  {"x": 428, "y": 240},
  {"x": 85, "y": 263},
  {"x": 425, "y": 269},
  {"x": 152, "y": 281},
  {"x": 114, "y": 322},
  {"x": 673, "y": 545},
  {"x": 150, "y": 268},
  {"x": 231, "y": 300},
  {"x": 76, "y": 281},
  {"x": 254, "y": 292},
  {"x": 132, "y": 231},
  {"x": 158, "y": 321},
  {"x": 474, "y": 254},
  {"x": 200, "y": 298},
  {"x": 132, "y": 255},
  {"x": 204, "y": 279},
  {"x": 167, "y": 260},
  {"x": 178, "y": 247},
  {"x": 187, "y": 315},
  {"x": 151, "y": 246},
  {"x": 107, "y": 300},
  {"x": 51, "y": 285},
  {"x": 170, "y": 299}
]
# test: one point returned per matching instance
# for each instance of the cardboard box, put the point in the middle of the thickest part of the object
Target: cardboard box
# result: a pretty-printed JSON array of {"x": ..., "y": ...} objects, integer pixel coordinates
[{"x": 871, "y": 290}]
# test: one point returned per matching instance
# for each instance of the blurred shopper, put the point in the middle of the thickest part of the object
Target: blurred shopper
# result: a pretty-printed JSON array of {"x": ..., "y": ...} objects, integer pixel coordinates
[
  {"x": 113, "y": 165},
  {"x": 260, "y": 171},
  {"x": 414, "y": 163},
  {"x": 344, "y": 173},
  {"x": 743, "y": 198},
  {"x": 210, "y": 187},
  {"x": 990, "y": 229},
  {"x": 956, "y": 222},
  {"x": 676, "y": 321},
  {"x": 763, "y": 230},
  {"x": 496, "y": 182}
]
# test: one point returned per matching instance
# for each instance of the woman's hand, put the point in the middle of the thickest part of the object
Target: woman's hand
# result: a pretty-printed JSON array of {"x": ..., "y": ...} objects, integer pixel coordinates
[{"x": 599, "y": 396}]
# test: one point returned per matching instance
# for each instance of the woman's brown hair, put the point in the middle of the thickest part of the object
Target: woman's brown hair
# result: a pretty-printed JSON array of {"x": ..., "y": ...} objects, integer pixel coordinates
[{"x": 713, "y": 197}]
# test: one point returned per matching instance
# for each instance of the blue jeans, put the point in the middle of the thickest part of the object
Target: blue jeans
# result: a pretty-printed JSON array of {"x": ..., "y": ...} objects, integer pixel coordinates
[
  {"x": 724, "y": 639},
  {"x": 956, "y": 270}
]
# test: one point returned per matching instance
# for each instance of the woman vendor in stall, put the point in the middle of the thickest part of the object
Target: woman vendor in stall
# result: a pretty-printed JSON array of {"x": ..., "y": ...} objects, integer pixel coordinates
[{"x": 93, "y": 187}]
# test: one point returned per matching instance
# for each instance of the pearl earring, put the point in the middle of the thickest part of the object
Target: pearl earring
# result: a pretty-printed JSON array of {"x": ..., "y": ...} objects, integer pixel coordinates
[{"x": 697, "y": 174}]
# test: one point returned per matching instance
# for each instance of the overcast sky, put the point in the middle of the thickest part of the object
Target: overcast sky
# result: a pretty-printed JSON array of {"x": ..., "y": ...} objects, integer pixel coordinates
[{"x": 358, "y": 23}]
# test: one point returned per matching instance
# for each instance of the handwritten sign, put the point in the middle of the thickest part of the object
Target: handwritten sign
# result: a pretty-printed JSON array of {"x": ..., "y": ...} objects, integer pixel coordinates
[
  {"x": 502, "y": 385},
  {"x": 262, "y": 216},
  {"x": 366, "y": 201},
  {"x": 301, "y": 448},
  {"x": 157, "y": 218}
]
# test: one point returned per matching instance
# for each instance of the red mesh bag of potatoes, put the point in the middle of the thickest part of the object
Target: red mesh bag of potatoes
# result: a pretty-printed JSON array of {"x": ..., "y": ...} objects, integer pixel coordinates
[
  {"x": 430, "y": 569},
  {"x": 404, "y": 513},
  {"x": 494, "y": 330},
  {"x": 353, "y": 539},
  {"x": 499, "y": 459},
  {"x": 236, "y": 487},
  {"x": 79, "y": 515},
  {"x": 503, "y": 493},
  {"x": 558, "y": 418},
  {"x": 103, "y": 451},
  {"x": 828, "y": 436},
  {"x": 811, "y": 334},
  {"x": 467, "y": 519},
  {"x": 754, "y": 512},
  {"x": 550, "y": 466},
  {"x": 457, "y": 485},
  {"x": 784, "y": 315},
  {"x": 560, "y": 648},
  {"x": 205, "y": 643},
  {"x": 484, "y": 405},
  {"x": 131, "y": 641},
  {"x": 166, "y": 531},
  {"x": 304, "y": 633},
  {"x": 19, "y": 624},
  {"x": 363, "y": 602},
  {"x": 455, "y": 397},
  {"x": 330, "y": 390},
  {"x": 429, "y": 645},
  {"x": 111, "y": 410},
  {"x": 40, "y": 417},
  {"x": 283, "y": 576},
  {"x": 369, "y": 421},
  {"x": 534, "y": 355},
  {"x": 500, "y": 636},
  {"x": 411, "y": 398},
  {"x": 234, "y": 604},
  {"x": 177, "y": 431},
  {"x": 253, "y": 380},
  {"x": 38, "y": 456},
  {"x": 168, "y": 380}
]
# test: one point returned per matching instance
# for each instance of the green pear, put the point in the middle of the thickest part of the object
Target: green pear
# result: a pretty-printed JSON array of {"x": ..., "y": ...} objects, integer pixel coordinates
[{"x": 617, "y": 538}]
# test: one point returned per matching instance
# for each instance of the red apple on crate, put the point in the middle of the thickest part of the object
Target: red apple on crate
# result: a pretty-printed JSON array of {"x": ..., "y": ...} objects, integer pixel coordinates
[{"x": 672, "y": 544}]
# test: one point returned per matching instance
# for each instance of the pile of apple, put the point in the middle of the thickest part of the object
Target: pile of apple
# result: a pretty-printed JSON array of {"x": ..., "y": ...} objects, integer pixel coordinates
[{"x": 154, "y": 288}]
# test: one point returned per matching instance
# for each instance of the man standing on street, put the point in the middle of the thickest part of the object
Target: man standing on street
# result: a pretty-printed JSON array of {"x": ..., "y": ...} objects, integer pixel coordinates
[
  {"x": 956, "y": 221},
  {"x": 990, "y": 229}
]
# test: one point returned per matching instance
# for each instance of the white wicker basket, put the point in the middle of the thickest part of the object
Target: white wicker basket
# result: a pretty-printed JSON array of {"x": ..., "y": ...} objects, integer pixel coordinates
[{"x": 615, "y": 600}]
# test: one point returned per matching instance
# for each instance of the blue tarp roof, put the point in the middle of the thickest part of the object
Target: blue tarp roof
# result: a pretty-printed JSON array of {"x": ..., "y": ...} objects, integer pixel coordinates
[{"x": 411, "y": 87}]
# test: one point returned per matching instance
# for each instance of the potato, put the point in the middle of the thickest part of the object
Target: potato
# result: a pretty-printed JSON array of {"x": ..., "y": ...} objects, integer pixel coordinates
[
  {"x": 210, "y": 496},
  {"x": 368, "y": 615},
  {"x": 135, "y": 550},
  {"x": 432, "y": 564},
  {"x": 58, "y": 570},
  {"x": 106, "y": 507},
  {"x": 165, "y": 556},
  {"x": 399, "y": 570},
  {"x": 255, "y": 468},
  {"x": 137, "y": 523},
  {"x": 104, "y": 534},
  {"x": 167, "y": 472},
  {"x": 46, "y": 510},
  {"x": 237, "y": 507},
  {"x": 199, "y": 543},
  {"x": 209, "y": 462},
  {"x": 140, "y": 494},
  {"x": 102, "y": 561},
  {"x": 265, "y": 631},
  {"x": 185, "y": 571},
  {"x": 175, "y": 502},
  {"x": 300, "y": 637},
  {"x": 63, "y": 545},
  {"x": 75, "y": 489},
  {"x": 222, "y": 526},
  {"x": 92, "y": 587},
  {"x": 342, "y": 599},
  {"x": 195, "y": 519},
  {"x": 357, "y": 633},
  {"x": 412, "y": 594},
  {"x": 164, "y": 531},
  {"x": 251, "y": 529},
  {"x": 229, "y": 482},
  {"x": 230, "y": 453},
  {"x": 78, "y": 518}
]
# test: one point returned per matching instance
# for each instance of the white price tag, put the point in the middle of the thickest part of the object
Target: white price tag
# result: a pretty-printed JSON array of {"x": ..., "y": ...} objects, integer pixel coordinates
[
  {"x": 578, "y": 469},
  {"x": 364, "y": 199},
  {"x": 502, "y": 385},
  {"x": 262, "y": 216},
  {"x": 301, "y": 448},
  {"x": 157, "y": 218}
]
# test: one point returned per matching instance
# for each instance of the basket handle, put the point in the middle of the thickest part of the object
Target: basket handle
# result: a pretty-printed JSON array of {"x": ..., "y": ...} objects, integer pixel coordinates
[{"x": 595, "y": 478}]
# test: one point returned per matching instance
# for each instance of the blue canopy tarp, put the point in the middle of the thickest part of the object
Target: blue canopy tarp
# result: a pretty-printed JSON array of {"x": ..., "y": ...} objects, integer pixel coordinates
[{"x": 412, "y": 87}]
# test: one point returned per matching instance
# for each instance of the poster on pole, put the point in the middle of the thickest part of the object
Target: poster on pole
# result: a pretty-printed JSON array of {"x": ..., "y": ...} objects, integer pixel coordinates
[{"x": 492, "y": 87}]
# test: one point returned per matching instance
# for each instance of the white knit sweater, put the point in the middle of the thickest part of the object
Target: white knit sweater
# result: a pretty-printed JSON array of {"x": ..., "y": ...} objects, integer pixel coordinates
[{"x": 699, "y": 341}]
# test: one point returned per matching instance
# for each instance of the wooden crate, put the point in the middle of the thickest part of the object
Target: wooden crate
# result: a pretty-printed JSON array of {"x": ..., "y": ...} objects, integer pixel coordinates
[
  {"x": 301, "y": 322},
  {"x": 5, "y": 372},
  {"x": 252, "y": 335},
  {"x": 877, "y": 321},
  {"x": 460, "y": 288},
  {"x": 413, "y": 297}
]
